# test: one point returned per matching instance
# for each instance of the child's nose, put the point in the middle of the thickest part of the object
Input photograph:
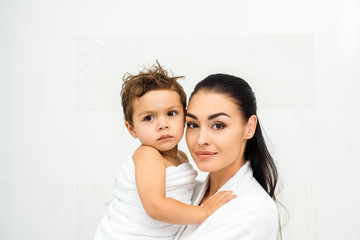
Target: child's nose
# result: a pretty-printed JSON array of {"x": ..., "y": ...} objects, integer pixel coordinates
[{"x": 162, "y": 124}]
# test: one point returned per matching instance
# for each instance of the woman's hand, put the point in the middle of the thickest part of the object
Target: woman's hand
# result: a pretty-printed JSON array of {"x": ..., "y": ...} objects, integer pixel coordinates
[{"x": 216, "y": 201}]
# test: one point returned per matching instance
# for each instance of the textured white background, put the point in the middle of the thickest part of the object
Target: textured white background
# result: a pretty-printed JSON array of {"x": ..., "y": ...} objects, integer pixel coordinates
[{"x": 62, "y": 137}]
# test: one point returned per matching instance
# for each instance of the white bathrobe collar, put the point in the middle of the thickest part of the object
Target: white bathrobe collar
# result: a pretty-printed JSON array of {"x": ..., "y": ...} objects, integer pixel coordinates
[{"x": 243, "y": 175}]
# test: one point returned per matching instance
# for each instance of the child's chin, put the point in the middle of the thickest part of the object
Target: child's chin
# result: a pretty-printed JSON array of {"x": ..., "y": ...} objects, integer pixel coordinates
[{"x": 165, "y": 148}]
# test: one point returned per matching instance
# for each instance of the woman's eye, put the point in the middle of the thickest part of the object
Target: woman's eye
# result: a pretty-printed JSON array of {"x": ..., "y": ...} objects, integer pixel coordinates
[
  {"x": 148, "y": 118},
  {"x": 218, "y": 126},
  {"x": 191, "y": 125},
  {"x": 171, "y": 113}
]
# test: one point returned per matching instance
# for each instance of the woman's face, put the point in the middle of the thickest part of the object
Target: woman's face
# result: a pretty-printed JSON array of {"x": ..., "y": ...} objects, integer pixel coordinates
[{"x": 216, "y": 133}]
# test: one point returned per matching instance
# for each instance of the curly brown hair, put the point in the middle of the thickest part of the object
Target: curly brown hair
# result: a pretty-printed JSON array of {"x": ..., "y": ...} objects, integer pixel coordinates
[{"x": 153, "y": 78}]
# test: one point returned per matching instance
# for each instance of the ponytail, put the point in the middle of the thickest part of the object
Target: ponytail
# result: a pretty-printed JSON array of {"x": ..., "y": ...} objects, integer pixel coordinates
[{"x": 262, "y": 163}]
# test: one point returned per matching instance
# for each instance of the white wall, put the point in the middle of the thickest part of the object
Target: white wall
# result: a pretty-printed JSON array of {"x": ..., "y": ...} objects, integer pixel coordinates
[{"x": 62, "y": 137}]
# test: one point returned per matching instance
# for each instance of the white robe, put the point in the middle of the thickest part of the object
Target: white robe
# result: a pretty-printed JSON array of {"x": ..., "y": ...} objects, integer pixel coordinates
[{"x": 252, "y": 215}]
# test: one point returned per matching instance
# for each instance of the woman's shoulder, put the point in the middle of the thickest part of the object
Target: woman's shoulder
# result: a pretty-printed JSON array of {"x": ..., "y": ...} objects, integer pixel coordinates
[
  {"x": 253, "y": 197},
  {"x": 253, "y": 207},
  {"x": 253, "y": 213}
]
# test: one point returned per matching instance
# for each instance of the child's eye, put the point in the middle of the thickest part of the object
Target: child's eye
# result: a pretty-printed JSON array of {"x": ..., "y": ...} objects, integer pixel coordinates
[
  {"x": 191, "y": 125},
  {"x": 171, "y": 113},
  {"x": 148, "y": 118},
  {"x": 218, "y": 126}
]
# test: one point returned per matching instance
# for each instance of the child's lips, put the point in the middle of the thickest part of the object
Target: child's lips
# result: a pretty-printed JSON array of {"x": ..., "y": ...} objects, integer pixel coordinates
[{"x": 164, "y": 137}]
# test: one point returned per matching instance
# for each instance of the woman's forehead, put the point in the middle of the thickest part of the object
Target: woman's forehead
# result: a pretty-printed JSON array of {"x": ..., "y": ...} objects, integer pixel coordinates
[
  {"x": 209, "y": 103},
  {"x": 209, "y": 98}
]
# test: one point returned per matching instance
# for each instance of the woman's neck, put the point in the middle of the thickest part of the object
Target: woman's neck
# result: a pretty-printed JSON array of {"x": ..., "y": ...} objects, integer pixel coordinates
[{"x": 219, "y": 178}]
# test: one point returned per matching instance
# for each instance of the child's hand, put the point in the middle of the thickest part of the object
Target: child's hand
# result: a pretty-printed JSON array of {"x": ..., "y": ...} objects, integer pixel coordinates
[{"x": 216, "y": 201}]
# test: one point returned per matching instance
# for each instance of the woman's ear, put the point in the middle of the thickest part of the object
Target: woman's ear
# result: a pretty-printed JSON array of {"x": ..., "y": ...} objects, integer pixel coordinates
[
  {"x": 251, "y": 127},
  {"x": 131, "y": 129}
]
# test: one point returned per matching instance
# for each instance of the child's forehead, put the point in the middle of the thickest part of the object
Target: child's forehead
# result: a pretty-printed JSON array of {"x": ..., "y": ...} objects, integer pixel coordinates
[{"x": 154, "y": 98}]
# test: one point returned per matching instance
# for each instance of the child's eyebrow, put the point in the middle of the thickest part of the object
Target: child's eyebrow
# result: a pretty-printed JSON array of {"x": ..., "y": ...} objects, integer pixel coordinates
[
  {"x": 152, "y": 111},
  {"x": 210, "y": 117},
  {"x": 145, "y": 113},
  {"x": 175, "y": 106}
]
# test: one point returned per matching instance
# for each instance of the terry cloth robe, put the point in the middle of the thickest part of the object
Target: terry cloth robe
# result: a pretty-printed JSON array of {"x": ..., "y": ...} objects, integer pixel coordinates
[
  {"x": 252, "y": 215},
  {"x": 125, "y": 218}
]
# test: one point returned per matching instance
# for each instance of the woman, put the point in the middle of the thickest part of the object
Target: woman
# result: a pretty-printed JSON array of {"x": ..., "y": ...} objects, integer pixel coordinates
[{"x": 225, "y": 139}]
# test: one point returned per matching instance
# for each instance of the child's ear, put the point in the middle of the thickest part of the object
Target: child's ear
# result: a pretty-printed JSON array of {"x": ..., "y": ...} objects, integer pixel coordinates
[
  {"x": 130, "y": 129},
  {"x": 251, "y": 127}
]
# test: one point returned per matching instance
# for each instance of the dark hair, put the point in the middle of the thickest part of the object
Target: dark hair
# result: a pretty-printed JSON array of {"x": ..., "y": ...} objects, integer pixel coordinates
[
  {"x": 256, "y": 152},
  {"x": 153, "y": 78}
]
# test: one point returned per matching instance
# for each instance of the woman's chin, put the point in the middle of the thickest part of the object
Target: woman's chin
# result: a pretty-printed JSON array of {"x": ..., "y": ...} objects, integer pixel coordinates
[{"x": 204, "y": 167}]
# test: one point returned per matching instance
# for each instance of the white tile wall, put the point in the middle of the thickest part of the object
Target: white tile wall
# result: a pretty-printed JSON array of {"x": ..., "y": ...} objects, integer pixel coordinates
[
  {"x": 104, "y": 143},
  {"x": 337, "y": 17},
  {"x": 164, "y": 18},
  {"x": 299, "y": 210},
  {"x": 38, "y": 212},
  {"x": 38, "y": 19},
  {"x": 91, "y": 199},
  {"x": 38, "y": 75},
  {"x": 338, "y": 210},
  {"x": 62, "y": 136},
  {"x": 337, "y": 61},
  {"x": 338, "y": 156},
  {"x": 38, "y": 150},
  {"x": 282, "y": 64},
  {"x": 293, "y": 141},
  {"x": 38, "y": 147}
]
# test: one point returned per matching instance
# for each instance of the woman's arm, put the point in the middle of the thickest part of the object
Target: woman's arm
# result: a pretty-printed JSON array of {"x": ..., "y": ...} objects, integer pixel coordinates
[{"x": 150, "y": 181}]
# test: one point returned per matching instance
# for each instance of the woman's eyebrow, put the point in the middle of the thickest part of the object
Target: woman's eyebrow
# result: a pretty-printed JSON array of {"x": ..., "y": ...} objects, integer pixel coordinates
[
  {"x": 190, "y": 115},
  {"x": 210, "y": 117},
  {"x": 218, "y": 114}
]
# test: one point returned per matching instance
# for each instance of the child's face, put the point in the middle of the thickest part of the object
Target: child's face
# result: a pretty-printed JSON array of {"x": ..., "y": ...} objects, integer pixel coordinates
[{"x": 158, "y": 119}]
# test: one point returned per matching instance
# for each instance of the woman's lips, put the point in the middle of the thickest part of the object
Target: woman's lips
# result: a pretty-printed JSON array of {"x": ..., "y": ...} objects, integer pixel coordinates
[{"x": 205, "y": 154}]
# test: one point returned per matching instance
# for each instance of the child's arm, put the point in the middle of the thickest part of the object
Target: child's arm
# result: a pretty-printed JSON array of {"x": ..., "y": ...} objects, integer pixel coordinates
[{"x": 150, "y": 182}]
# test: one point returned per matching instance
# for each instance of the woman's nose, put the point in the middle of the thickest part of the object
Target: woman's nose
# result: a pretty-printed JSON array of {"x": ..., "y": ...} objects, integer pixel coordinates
[{"x": 203, "y": 137}]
